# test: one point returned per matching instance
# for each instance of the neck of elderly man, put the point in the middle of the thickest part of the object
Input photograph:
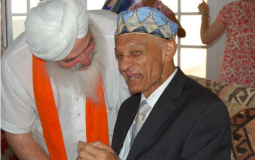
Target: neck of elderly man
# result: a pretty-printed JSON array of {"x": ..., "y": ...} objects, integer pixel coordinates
[{"x": 146, "y": 61}]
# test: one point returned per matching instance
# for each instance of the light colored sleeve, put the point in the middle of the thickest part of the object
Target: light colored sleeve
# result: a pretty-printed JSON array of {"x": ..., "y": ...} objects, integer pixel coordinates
[
  {"x": 115, "y": 88},
  {"x": 225, "y": 13},
  {"x": 17, "y": 113}
]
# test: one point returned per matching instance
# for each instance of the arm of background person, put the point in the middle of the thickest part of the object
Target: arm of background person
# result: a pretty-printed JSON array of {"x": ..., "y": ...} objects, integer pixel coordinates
[
  {"x": 25, "y": 146},
  {"x": 181, "y": 31},
  {"x": 209, "y": 33}
]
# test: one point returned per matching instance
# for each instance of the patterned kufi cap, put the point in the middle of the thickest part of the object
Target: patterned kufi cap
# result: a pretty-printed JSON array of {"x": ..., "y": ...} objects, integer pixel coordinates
[
  {"x": 54, "y": 25},
  {"x": 146, "y": 20}
]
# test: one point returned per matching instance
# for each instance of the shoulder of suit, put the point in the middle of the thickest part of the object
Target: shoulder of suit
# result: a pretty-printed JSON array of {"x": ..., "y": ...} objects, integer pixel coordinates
[{"x": 199, "y": 90}]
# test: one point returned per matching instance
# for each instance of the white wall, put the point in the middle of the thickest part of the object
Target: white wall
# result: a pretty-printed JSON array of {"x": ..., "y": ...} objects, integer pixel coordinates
[{"x": 215, "y": 50}]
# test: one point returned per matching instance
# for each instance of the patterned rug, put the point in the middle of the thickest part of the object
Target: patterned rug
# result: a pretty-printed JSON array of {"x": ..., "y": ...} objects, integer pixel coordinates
[
  {"x": 240, "y": 102},
  {"x": 229, "y": 92},
  {"x": 243, "y": 134},
  {"x": 6, "y": 152}
]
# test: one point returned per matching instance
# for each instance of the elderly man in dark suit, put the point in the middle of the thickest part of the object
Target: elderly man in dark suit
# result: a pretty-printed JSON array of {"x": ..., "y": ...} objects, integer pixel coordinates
[{"x": 169, "y": 116}]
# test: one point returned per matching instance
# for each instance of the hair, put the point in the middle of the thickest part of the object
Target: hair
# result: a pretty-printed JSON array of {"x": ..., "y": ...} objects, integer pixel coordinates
[{"x": 84, "y": 82}]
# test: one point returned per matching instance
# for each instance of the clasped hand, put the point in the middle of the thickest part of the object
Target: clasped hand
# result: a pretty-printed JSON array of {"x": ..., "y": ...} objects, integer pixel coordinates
[
  {"x": 203, "y": 8},
  {"x": 95, "y": 151}
]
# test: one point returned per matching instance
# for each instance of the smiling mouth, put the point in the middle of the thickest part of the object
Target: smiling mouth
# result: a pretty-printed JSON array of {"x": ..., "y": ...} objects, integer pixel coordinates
[{"x": 133, "y": 77}]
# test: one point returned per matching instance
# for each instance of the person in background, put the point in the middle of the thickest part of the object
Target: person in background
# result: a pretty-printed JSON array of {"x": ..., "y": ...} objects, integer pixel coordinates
[
  {"x": 117, "y": 6},
  {"x": 169, "y": 116},
  {"x": 238, "y": 20},
  {"x": 157, "y": 4},
  {"x": 2, "y": 30},
  {"x": 60, "y": 81}
]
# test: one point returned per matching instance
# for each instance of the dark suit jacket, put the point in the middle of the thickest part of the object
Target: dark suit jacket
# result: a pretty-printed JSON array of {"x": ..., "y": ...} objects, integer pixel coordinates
[{"x": 188, "y": 122}]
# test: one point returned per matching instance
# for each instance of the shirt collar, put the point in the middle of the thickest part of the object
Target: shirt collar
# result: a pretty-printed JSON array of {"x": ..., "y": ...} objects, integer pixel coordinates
[{"x": 153, "y": 98}]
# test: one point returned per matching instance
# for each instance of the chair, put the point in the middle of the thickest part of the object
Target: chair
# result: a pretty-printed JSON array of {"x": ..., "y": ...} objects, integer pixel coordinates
[{"x": 240, "y": 102}]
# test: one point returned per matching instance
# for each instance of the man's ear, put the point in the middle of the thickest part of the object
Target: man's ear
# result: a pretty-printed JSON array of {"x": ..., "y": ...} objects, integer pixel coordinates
[{"x": 169, "y": 49}]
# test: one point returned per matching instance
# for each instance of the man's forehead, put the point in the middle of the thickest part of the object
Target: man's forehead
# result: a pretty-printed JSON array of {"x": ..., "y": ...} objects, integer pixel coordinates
[
  {"x": 132, "y": 36},
  {"x": 136, "y": 38}
]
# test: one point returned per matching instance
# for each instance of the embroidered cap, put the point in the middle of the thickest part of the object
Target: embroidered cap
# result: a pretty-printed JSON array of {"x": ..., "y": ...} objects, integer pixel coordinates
[{"x": 146, "y": 20}]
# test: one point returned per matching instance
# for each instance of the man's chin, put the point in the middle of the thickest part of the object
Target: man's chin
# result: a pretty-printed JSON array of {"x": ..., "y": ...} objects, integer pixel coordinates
[{"x": 134, "y": 91}]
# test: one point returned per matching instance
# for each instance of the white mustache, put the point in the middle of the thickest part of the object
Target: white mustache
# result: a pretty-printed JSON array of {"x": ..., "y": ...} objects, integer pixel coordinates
[{"x": 79, "y": 65}]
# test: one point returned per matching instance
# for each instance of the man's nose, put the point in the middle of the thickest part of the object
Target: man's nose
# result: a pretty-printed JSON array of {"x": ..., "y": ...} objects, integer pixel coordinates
[
  {"x": 85, "y": 59},
  {"x": 125, "y": 63}
]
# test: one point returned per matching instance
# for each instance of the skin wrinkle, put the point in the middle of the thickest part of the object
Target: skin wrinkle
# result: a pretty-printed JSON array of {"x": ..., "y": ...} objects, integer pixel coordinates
[
  {"x": 145, "y": 59},
  {"x": 159, "y": 80},
  {"x": 77, "y": 53},
  {"x": 72, "y": 58}
]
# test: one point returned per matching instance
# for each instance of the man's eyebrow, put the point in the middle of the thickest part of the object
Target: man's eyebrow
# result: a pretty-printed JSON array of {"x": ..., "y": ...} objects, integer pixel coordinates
[
  {"x": 69, "y": 59},
  {"x": 90, "y": 41},
  {"x": 134, "y": 45},
  {"x": 131, "y": 46},
  {"x": 73, "y": 58}
]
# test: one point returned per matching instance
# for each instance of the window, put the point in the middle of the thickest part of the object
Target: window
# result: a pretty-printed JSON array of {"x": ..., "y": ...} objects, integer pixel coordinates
[
  {"x": 191, "y": 53},
  {"x": 91, "y": 5},
  {"x": 19, "y": 10},
  {"x": 16, "y": 16}
]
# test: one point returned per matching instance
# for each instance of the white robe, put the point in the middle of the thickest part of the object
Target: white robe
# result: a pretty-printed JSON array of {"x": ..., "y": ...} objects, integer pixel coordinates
[{"x": 19, "y": 112}]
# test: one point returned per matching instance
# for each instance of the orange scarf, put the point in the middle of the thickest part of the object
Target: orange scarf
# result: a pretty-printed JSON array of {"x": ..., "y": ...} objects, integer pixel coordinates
[{"x": 96, "y": 116}]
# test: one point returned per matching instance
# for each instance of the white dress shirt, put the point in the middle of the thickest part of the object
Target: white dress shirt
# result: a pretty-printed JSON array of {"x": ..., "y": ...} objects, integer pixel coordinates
[
  {"x": 152, "y": 99},
  {"x": 19, "y": 113}
]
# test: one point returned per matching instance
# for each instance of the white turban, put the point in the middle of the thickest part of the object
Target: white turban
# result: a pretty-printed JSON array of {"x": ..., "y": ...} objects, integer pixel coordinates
[{"x": 53, "y": 27}]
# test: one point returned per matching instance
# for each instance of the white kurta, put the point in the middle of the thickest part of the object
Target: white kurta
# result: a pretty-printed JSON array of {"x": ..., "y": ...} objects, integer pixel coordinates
[{"x": 19, "y": 112}]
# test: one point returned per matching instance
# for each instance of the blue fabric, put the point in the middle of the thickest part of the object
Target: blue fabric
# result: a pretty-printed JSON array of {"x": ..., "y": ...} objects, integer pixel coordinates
[
  {"x": 146, "y": 20},
  {"x": 107, "y": 8},
  {"x": 118, "y": 6}
]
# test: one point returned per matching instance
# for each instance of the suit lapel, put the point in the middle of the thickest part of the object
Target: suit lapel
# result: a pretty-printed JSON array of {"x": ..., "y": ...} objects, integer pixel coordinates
[
  {"x": 160, "y": 112},
  {"x": 124, "y": 121},
  {"x": 157, "y": 117}
]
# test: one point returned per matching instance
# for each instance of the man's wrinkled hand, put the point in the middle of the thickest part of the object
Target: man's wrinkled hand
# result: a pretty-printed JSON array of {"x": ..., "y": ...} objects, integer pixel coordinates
[{"x": 95, "y": 151}]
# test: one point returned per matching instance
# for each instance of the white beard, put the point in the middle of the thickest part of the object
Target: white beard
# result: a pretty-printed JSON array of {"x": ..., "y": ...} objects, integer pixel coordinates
[{"x": 85, "y": 82}]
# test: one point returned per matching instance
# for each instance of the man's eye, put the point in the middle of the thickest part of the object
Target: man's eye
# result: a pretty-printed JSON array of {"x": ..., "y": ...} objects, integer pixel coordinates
[
  {"x": 119, "y": 56},
  {"x": 136, "y": 52},
  {"x": 67, "y": 61}
]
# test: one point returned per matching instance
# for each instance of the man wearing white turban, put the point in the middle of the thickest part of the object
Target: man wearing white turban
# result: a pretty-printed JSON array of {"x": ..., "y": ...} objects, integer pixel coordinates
[{"x": 60, "y": 81}]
